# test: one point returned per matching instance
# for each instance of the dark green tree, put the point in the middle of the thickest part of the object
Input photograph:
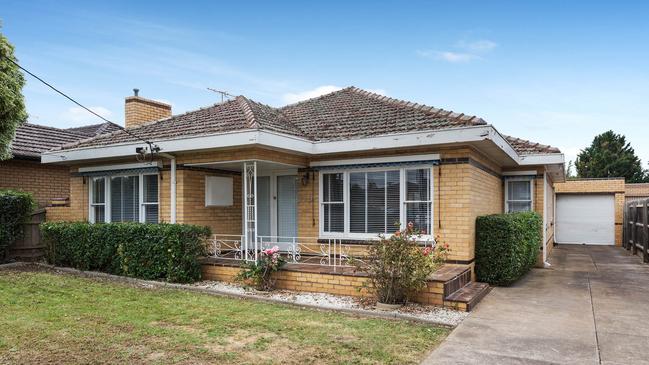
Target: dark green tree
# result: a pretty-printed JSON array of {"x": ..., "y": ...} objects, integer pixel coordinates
[
  {"x": 610, "y": 155},
  {"x": 12, "y": 104}
]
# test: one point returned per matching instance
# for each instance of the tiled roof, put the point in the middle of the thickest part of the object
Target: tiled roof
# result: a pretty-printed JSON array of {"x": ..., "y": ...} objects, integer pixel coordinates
[
  {"x": 33, "y": 139},
  {"x": 525, "y": 147},
  {"x": 95, "y": 129},
  {"x": 344, "y": 114},
  {"x": 356, "y": 113}
]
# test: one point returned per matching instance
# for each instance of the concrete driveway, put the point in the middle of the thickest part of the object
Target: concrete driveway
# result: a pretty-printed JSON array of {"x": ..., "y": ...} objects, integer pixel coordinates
[{"x": 591, "y": 307}]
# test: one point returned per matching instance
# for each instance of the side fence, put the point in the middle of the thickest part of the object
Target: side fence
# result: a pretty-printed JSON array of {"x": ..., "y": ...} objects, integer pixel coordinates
[
  {"x": 636, "y": 228},
  {"x": 30, "y": 246}
]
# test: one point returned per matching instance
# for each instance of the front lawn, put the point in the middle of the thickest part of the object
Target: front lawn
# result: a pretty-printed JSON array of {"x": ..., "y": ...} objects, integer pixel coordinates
[{"x": 52, "y": 318}]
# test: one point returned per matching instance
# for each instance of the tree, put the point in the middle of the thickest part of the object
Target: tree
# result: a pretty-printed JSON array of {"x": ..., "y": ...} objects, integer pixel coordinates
[
  {"x": 610, "y": 155},
  {"x": 570, "y": 173},
  {"x": 12, "y": 103}
]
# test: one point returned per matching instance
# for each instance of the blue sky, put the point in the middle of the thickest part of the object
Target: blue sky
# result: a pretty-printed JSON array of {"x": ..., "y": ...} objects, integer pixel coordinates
[{"x": 556, "y": 72}]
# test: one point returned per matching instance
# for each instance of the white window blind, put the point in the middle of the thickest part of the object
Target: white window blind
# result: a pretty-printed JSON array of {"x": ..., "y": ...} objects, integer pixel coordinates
[
  {"x": 518, "y": 195},
  {"x": 333, "y": 205},
  {"x": 418, "y": 201},
  {"x": 125, "y": 199},
  {"x": 373, "y": 201}
]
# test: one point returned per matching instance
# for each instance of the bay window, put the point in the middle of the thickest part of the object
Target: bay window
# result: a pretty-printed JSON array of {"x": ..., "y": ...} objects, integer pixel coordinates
[
  {"x": 519, "y": 194},
  {"x": 127, "y": 198},
  {"x": 364, "y": 203}
]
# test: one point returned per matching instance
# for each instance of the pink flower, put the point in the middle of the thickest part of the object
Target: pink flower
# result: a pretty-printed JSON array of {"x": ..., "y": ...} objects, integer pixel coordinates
[
  {"x": 428, "y": 250},
  {"x": 411, "y": 225}
]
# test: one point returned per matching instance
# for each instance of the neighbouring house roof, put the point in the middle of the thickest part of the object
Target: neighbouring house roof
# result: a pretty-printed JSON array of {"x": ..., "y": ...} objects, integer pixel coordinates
[
  {"x": 95, "y": 129},
  {"x": 32, "y": 139},
  {"x": 349, "y": 113}
]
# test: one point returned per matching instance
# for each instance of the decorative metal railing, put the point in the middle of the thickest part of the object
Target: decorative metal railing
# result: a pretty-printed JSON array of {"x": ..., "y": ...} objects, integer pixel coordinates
[{"x": 298, "y": 250}]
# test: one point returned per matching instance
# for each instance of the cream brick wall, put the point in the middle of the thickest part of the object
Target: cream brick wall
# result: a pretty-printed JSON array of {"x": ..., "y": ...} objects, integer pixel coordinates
[
  {"x": 462, "y": 191},
  {"x": 45, "y": 182}
]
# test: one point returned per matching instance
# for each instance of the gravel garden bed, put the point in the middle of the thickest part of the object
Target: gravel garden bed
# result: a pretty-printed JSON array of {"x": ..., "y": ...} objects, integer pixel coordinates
[{"x": 412, "y": 311}]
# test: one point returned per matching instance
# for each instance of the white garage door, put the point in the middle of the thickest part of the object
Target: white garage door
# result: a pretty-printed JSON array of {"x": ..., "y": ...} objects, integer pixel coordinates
[{"x": 583, "y": 218}]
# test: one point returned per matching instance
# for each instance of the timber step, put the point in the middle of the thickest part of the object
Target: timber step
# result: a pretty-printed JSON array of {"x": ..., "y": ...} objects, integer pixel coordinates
[{"x": 469, "y": 295}]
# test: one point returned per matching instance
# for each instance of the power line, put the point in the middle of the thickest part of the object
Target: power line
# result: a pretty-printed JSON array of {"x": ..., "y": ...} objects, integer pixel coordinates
[{"x": 79, "y": 104}]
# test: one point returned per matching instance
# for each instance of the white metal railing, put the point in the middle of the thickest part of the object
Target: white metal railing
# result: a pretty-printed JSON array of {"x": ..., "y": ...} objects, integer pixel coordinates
[{"x": 299, "y": 250}]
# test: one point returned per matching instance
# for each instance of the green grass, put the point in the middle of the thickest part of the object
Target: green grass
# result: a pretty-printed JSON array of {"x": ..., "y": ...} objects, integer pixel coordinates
[{"x": 50, "y": 318}]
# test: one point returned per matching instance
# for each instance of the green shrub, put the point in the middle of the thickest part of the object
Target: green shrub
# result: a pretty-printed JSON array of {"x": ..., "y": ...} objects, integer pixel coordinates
[
  {"x": 15, "y": 207},
  {"x": 147, "y": 251},
  {"x": 507, "y": 246}
]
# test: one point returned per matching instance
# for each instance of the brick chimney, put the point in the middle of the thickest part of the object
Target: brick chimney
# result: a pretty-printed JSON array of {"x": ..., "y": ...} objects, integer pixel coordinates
[{"x": 139, "y": 110}]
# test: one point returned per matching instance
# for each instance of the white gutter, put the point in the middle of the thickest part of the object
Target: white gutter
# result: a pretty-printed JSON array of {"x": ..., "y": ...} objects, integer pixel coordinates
[{"x": 304, "y": 146}]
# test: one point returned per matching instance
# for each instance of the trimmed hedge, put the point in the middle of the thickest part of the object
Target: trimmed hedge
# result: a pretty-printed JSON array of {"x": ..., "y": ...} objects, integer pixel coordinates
[
  {"x": 15, "y": 207},
  {"x": 148, "y": 251},
  {"x": 507, "y": 246}
]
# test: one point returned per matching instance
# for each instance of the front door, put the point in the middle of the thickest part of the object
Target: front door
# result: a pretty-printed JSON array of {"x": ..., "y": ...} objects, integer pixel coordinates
[{"x": 277, "y": 209}]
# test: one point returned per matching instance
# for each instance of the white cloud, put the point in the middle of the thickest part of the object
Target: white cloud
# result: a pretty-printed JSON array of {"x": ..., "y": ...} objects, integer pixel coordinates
[
  {"x": 290, "y": 98},
  {"x": 483, "y": 45},
  {"x": 378, "y": 91},
  {"x": 79, "y": 116},
  {"x": 469, "y": 51},
  {"x": 453, "y": 57}
]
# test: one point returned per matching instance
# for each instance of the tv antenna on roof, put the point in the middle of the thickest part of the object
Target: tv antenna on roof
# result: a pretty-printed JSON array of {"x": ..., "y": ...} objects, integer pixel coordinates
[{"x": 224, "y": 94}]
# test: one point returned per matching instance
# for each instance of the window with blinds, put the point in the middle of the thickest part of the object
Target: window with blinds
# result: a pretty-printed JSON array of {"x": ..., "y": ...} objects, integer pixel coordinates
[
  {"x": 132, "y": 198},
  {"x": 373, "y": 201},
  {"x": 518, "y": 195},
  {"x": 333, "y": 205},
  {"x": 418, "y": 203},
  {"x": 150, "y": 198},
  {"x": 364, "y": 203},
  {"x": 98, "y": 200},
  {"x": 125, "y": 199}
]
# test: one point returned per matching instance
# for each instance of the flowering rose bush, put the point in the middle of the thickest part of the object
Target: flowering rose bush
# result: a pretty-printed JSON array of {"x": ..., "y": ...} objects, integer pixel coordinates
[
  {"x": 258, "y": 274},
  {"x": 399, "y": 266}
]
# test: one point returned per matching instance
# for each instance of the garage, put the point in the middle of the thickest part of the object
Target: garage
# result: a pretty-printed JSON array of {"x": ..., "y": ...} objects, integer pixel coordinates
[{"x": 585, "y": 219}]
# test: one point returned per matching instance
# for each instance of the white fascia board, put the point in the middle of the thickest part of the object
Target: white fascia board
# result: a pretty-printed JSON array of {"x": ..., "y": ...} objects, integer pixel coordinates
[
  {"x": 233, "y": 139},
  {"x": 124, "y": 166},
  {"x": 542, "y": 159},
  {"x": 291, "y": 143},
  {"x": 369, "y": 160}
]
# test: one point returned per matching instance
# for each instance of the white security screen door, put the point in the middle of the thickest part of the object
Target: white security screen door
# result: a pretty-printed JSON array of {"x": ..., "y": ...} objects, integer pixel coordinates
[
  {"x": 584, "y": 218},
  {"x": 263, "y": 206},
  {"x": 287, "y": 206}
]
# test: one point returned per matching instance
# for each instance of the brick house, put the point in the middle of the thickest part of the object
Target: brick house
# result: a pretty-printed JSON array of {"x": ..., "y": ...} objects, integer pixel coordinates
[
  {"x": 343, "y": 168},
  {"x": 45, "y": 181}
]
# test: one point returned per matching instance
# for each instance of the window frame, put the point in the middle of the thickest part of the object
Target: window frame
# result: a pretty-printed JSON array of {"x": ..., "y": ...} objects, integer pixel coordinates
[
  {"x": 529, "y": 179},
  {"x": 108, "y": 197},
  {"x": 91, "y": 196},
  {"x": 346, "y": 234}
]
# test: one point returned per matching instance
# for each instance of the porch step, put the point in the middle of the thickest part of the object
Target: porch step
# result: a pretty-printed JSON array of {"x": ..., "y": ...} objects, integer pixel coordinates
[{"x": 468, "y": 296}]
